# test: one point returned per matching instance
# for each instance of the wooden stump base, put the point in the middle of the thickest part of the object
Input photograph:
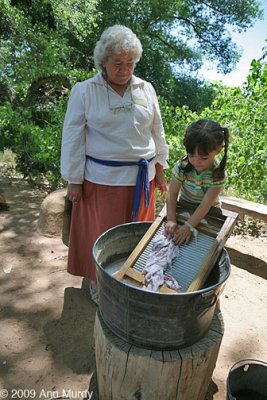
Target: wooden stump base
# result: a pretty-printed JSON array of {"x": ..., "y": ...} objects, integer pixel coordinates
[{"x": 127, "y": 372}]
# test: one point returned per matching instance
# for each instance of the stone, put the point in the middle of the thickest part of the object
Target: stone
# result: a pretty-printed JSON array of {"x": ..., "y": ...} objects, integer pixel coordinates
[{"x": 50, "y": 221}]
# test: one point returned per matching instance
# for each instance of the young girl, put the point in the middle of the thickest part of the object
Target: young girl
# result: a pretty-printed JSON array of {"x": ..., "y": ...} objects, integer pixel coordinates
[{"x": 198, "y": 178}]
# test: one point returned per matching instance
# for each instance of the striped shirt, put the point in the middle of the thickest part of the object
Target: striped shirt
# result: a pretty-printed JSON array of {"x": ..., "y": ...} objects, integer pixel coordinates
[{"x": 194, "y": 185}]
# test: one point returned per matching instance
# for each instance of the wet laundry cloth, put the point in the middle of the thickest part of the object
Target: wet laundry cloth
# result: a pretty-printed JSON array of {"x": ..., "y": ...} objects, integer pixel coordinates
[{"x": 164, "y": 253}]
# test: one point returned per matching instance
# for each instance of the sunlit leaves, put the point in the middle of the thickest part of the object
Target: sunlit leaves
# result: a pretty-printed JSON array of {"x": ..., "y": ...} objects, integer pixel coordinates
[
  {"x": 46, "y": 43},
  {"x": 243, "y": 111},
  {"x": 76, "y": 16}
]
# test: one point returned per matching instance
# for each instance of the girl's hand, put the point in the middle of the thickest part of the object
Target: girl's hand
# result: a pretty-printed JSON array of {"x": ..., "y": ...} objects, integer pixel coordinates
[
  {"x": 182, "y": 235},
  {"x": 74, "y": 192},
  {"x": 170, "y": 229}
]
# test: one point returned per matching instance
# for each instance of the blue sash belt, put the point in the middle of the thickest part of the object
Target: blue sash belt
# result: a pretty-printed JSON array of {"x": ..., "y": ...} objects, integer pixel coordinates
[{"x": 142, "y": 180}]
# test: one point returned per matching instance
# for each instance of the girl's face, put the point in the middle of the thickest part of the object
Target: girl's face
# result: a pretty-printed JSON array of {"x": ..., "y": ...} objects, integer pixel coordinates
[
  {"x": 201, "y": 162},
  {"x": 119, "y": 68}
]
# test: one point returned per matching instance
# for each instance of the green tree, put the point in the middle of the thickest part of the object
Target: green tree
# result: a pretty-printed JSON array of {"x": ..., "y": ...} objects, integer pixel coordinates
[
  {"x": 38, "y": 66},
  {"x": 47, "y": 45},
  {"x": 177, "y": 36},
  {"x": 56, "y": 37},
  {"x": 242, "y": 110}
]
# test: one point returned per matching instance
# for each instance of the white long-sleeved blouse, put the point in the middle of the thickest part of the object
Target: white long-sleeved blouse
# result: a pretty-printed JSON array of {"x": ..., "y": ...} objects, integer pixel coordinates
[{"x": 102, "y": 124}]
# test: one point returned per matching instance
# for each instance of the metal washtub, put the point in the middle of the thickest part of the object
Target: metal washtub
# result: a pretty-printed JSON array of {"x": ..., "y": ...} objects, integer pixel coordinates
[{"x": 149, "y": 319}]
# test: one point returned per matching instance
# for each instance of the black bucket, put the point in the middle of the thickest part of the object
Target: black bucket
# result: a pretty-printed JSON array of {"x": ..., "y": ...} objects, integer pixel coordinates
[
  {"x": 150, "y": 319},
  {"x": 247, "y": 380}
]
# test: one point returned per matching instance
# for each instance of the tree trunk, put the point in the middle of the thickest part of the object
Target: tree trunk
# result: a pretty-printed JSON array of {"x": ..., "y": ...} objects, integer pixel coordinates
[{"x": 127, "y": 372}]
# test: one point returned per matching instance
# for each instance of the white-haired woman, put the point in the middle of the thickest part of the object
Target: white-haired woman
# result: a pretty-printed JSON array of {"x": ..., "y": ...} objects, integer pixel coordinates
[{"x": 113, "y": 148}]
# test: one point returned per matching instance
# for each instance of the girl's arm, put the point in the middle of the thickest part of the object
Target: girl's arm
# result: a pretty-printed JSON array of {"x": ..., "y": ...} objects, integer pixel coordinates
[
  {"x": 173, "y": 192},
  {"x": 184, "y": 233}
]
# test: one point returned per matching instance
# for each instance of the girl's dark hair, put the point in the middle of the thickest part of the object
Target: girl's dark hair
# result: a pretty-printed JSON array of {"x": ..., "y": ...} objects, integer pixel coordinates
[{"x": 205, "y": 136}]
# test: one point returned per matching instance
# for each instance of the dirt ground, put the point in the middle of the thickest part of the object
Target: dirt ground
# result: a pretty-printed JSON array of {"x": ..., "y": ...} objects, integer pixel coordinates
[{"x": 47, "y": 319}]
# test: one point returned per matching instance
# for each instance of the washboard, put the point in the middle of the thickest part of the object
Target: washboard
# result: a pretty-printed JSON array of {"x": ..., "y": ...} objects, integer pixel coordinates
[{"x": 196, "y": 259}]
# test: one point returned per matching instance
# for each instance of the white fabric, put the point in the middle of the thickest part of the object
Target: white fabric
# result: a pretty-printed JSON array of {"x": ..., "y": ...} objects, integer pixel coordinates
[
  {"x": 93, "y": 127},
  {"x": 164, "y": 253},
  {"x": 171, "y": 282}
]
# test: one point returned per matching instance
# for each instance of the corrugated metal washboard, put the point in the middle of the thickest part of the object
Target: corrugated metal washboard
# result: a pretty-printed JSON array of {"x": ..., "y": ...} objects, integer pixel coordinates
[{"x": 196, "y": 259}]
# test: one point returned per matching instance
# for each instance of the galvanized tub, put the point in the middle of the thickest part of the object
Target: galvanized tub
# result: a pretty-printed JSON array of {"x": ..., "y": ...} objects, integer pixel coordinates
[{"x": 149, "y": 319}]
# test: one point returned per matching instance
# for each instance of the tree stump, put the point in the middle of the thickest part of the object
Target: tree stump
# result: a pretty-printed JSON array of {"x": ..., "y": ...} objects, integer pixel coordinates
[{"x": 127, "y": 372}]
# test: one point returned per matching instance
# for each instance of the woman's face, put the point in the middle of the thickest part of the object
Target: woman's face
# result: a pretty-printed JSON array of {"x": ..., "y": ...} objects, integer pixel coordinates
[{"x": 119, "y": 68}]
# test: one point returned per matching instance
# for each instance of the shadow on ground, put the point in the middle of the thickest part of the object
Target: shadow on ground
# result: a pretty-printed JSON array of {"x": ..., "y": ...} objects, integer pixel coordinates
[
  {"x": 70, "y": 338},
  {"x": 248, "y": 263}
]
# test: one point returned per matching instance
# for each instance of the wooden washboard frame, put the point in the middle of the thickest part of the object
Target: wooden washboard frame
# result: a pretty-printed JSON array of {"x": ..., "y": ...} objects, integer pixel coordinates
[{"x": 220, "y": 224}]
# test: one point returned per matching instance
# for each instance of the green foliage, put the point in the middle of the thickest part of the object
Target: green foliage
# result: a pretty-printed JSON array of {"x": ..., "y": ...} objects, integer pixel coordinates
[
  {"x": 35, "y": 76},
  {"x": 47, "y": 45},
  {"x": 175, "y": 120},
  {"x": 243, "y": 111},
  {"x": 177, "y": 36},
  {"x": 76, "y": 18},
  {"x": 37, "y": 148}
]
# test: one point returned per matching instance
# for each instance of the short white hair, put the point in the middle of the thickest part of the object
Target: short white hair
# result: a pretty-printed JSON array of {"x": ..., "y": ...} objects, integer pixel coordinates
[{"x": 114, "y": 40}]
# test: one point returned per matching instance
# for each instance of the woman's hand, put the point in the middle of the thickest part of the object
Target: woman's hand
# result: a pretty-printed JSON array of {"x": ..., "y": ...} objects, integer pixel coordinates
[
  {"x": 182, "y": 235},
  {"x": 74, "y": 192},
  {"x": 170, "y": 229},
  {"x": 161, "y": 182}
]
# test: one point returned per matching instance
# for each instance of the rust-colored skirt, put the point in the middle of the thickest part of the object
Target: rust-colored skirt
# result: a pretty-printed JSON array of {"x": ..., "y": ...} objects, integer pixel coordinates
[{"x": 101, "y": 208}]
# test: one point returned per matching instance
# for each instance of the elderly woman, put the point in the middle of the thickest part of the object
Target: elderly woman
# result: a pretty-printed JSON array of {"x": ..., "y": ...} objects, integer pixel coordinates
[{"x": 113, "y": 148}]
